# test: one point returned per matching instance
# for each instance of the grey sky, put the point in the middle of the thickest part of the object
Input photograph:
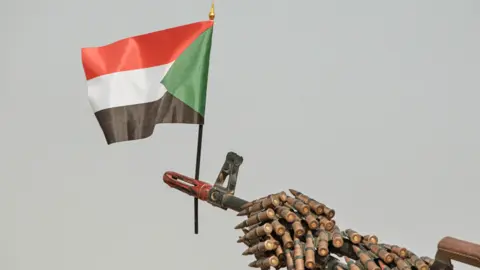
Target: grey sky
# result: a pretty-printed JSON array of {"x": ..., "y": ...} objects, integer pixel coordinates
[{"x": 368, "y": 106}]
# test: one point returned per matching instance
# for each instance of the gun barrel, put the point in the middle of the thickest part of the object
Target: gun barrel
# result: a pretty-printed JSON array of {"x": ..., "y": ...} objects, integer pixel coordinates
[
  {"x": 232, "y": 202},
  {"x": 203, "y": 191}
]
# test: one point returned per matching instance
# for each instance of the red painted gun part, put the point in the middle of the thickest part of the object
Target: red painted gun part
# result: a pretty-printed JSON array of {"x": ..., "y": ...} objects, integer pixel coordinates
[{"x": 185, "y": 184}]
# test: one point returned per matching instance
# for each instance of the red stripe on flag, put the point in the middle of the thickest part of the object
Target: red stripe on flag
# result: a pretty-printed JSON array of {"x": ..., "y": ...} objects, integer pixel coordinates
[{"x": 143, "y": 51}]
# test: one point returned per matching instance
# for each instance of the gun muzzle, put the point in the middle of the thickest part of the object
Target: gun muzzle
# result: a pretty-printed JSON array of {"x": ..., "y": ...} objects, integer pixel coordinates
[{"x": 190, "y": 186}]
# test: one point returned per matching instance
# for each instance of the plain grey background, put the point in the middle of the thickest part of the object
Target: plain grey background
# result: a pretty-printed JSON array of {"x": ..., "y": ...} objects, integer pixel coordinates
[{"x": 368, "y": 106}]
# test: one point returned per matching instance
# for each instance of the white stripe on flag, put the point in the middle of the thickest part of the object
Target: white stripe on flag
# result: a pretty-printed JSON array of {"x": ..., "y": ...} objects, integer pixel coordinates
[{"x": 127, "y": 87}]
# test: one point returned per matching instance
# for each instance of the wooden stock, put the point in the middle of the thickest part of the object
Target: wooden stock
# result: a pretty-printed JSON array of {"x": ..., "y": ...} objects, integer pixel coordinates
[{"x": 450, "y": 248}]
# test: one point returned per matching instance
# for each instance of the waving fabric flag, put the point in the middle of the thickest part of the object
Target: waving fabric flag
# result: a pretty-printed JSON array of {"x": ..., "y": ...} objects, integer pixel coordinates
[{"x": 138, "y": 82}]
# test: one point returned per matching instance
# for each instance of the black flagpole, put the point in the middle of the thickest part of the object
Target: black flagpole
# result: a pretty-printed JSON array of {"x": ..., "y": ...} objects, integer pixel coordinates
[
  {"x": 211, "y": 16},
  {"x": 197, "y": 174}
]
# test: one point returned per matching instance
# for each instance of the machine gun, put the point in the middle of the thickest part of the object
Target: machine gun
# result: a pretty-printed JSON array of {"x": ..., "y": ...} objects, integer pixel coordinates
[{"x": 299, "y": 232}]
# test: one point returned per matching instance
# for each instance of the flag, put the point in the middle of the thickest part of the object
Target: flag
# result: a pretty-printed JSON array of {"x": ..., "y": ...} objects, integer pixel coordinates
[{"x": 138, "y": 82}]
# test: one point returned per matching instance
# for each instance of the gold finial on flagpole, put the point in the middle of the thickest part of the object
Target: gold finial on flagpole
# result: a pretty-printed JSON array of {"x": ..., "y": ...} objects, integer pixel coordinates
[{"x": 211, "y": 14}]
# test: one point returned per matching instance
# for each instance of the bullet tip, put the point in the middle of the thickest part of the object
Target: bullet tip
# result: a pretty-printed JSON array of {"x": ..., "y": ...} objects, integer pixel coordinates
[
  {"x": 244, "y": 206},
  {"x": 243, "y": 212}
]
